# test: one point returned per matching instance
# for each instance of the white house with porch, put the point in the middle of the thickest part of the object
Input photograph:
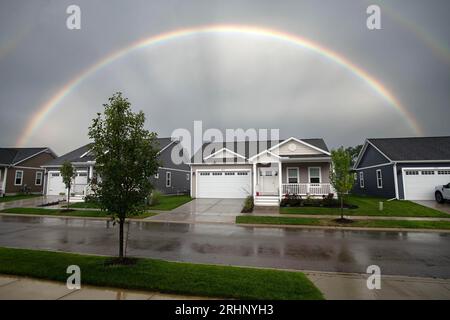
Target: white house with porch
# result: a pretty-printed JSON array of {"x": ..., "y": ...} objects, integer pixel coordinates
[{"x": 267, "y": 170}]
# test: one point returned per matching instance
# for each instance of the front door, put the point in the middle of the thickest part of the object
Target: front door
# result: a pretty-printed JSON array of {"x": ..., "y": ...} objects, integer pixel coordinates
[{"x": 268, "y": 181}]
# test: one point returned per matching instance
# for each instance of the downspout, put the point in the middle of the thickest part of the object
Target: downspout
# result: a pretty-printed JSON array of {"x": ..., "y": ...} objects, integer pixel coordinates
[{"x": 394, "y": 168}]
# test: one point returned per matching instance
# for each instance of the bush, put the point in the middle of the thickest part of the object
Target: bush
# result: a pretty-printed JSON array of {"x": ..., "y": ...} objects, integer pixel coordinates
[
  {"x": 248, "y": 205},
  {"x": 155, "y": 198}
]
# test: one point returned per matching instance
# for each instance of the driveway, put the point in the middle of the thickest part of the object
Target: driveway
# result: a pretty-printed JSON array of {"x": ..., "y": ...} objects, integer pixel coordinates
[
  {"x": 203, "y": 210},
  {"x": 31, "y": 202},
  {"x": 444, "y": 207},
  {"x": 420, "y": 254}
]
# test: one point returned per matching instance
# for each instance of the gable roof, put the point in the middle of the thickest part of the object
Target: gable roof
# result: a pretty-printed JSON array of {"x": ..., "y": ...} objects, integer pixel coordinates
[
  {"x": 12, "y": 156},
  {"x": 410, "y": 149},
  {"x": 414, "y": 149},
  {"x": 83, "y": 154},
  {"x": 248, "y": 149}
]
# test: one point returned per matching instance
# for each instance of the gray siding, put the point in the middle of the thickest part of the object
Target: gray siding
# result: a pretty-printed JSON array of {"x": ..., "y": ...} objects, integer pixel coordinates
[
  {"x": 371, "y": 157},
  {"x": 400, "y": 166},
  {"x": 370, "y": 182},
  {"x": 179, "y": 183}
]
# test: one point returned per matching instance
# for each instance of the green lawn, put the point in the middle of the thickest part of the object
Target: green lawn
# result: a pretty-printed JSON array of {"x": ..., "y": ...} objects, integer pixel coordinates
[
  {"x": 368, "y": 206},
  {"x": 331, "y": 223},
  {"x": 166, "y": 203},
  {"x": 18, "y": 197},
  {"x": 162, "y": 276},
  {"x": 170, "y": 202},
  {"x": 62, "y": 212}
]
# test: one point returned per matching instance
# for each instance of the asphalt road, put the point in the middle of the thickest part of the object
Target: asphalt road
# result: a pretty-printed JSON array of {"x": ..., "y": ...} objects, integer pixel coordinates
[{"x": 424, "y": 254}]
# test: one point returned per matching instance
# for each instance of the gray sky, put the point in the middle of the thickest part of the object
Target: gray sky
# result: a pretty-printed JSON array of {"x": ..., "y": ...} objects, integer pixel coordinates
[{"x": 226, "y": 80}]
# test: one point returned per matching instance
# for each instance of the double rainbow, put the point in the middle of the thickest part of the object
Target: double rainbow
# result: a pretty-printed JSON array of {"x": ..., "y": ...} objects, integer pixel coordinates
[{"x": 44, "y": 110}]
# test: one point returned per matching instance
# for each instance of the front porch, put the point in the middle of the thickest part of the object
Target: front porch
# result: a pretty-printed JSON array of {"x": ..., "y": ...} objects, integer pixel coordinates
[{"x": 275, "y": 180}]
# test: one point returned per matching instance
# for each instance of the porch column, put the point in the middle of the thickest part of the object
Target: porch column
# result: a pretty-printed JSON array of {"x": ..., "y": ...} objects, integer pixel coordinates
[
  {"x": 91, "y": 172},
  {"x": 280, "y": 175},
  {"x": 5, "y": 175},
  {"x": 254, "y": 180}
]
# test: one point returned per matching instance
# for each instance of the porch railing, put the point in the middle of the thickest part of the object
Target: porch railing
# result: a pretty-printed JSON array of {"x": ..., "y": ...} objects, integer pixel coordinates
[{"x": 314, "y": 189}]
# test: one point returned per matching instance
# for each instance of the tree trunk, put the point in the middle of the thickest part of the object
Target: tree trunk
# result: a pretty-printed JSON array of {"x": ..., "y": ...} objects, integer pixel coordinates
[
  {"x": 68, "y": 198},
  {"x": 121, "y": 222},
  {"x": 342, "y": 207}
]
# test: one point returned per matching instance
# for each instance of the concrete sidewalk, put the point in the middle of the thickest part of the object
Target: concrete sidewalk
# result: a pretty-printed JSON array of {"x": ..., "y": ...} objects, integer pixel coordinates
[
  {"x": 348, "y": 286},
  {"x": 20, "y": 288}
]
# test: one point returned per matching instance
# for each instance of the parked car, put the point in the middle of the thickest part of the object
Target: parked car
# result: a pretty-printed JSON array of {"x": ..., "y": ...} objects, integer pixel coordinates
[{"x": 442, "y": 193}]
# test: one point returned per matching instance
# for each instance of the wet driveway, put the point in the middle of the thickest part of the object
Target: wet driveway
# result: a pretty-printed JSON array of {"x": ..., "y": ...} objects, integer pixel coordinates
[
  {"x": 203, "y": 210},
  {"x": 444, "y": 207},
  {"x": 397, "y": 253}
]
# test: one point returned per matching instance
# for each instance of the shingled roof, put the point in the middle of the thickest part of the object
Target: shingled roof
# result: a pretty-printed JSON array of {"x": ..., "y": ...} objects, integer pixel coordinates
[
  {"x": 11, "y": 156},
  {"x": 248, "y": 149},
  {"x": 414, "y": 149},
  {"x": 83, "y": 154}
]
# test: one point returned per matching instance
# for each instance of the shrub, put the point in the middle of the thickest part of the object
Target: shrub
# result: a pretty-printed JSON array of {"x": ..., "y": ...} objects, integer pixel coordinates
[
  {"x": 248, "y": 205},
  {"x": 155, "y": 198}
]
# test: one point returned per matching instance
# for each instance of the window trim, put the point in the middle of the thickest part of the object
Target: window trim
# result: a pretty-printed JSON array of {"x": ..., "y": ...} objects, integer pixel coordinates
[
  {"x": 168, "y": 179},
  {"x": 309, "y": 174},
  {"x": 36, "y": 178},
  {"x": 287, "y": 174},
  {"x": 361, "y": 179},
  {"x": 21, "y": 178},
  {"x": 379, "y": 179}
]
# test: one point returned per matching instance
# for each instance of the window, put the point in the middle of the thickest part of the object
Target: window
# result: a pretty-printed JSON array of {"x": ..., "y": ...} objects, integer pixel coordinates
[
  {"x": 412, "y": 172},
  {"x": 19, "y": 178},
  {"x": 427, "y": 172},
  {"x": 314, "y": 174},
  {"x": 55, "y": 174},
  {"x": 242, "y": 173},
  {"x": 168, "y": 179},
  {"x": 38, "y": 179},
  {"x": 188, "y": 176},
  {"x": 204, "y": 173},
  {"x": 361, "y": 179},
  {"x": 379, "y": 179},
  {"x": 82, "y": 174},
  {"x": 217, "y": 173},
  {"x": 442, "y": 172},
  {"x": 156, "y": 175},
  {"x": 292, "y": 175},
  {"x": 229, "y": 173}
]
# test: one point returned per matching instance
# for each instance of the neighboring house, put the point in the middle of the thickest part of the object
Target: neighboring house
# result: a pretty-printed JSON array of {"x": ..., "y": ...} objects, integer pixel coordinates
[
  {"x": 266, "y": 170},
  {"x": 403, "y": 168},
  {"x": 20, "y": 169},
  {"x": 170, "y": 179}
]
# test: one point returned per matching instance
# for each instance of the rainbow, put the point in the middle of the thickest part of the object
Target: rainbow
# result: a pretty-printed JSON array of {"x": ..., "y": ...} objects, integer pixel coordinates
[{"x": 44, "y": 110}]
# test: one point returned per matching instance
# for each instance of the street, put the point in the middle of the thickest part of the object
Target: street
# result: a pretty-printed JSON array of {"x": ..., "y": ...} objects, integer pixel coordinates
[{"x": 424, "y": 254}]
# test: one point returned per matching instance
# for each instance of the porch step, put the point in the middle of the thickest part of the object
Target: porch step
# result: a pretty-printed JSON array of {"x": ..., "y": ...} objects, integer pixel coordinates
[
  {"x": 77, "y": 198},
  {"x": 266, "y": 201}
]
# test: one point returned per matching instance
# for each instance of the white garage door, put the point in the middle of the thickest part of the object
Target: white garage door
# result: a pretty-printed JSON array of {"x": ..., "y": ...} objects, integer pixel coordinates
[
  {"x": 223, "y": 184},
  {"x": 420, "y": 183},
  {"x": 55, "y": 185}
]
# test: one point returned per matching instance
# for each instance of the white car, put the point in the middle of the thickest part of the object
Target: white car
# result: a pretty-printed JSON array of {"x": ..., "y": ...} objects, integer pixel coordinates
[{"x": 442, "y": 193}]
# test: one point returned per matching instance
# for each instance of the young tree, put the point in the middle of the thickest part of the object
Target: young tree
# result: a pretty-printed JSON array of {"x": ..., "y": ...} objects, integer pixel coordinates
[
  {"x": 126, "y": 158},
  {"x": 354, "y": 152},
  {"x": 67, "y": 174},
  {"x": 340, "y": 177}
]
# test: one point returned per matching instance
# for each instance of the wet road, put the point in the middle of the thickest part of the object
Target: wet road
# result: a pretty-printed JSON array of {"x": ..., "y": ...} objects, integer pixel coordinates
[{"x": 397, "y": 253}]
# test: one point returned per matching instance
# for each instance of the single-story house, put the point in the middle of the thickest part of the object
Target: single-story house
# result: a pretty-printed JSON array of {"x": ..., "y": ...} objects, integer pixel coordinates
[
  {"x": 20, "y": 169},
  {"x": 403, "y": 168},
  {"x": 266, "y": 170},
  {"x": 171, "y": 178}
]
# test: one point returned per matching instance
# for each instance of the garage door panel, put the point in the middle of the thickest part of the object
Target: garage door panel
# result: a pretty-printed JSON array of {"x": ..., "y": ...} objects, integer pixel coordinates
[
  {"x": 55, "y": 184},
  {"x": 213, "y": 184},
  {"x": 419, "y": 184}
]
